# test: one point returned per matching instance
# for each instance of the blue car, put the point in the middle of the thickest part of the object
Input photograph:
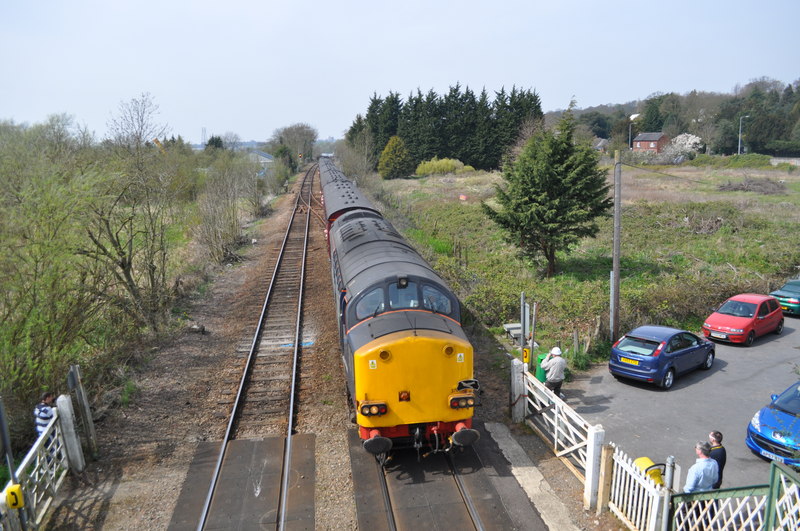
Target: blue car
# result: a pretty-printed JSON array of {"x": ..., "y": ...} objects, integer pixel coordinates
[
  {"x": 657, "y": 354},
  {"x": 774, "y": 432}
]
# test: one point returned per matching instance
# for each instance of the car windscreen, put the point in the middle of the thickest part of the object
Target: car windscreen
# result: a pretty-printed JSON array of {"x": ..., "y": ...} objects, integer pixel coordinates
[
  {"x": 789, "y": 401},
  {"x": 636, "y": 345},
  {"x": 738, "y": 309}
]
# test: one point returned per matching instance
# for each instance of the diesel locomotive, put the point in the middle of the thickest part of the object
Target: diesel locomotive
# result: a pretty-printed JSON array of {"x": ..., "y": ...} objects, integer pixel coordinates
[{"x": 407, "y": 360}]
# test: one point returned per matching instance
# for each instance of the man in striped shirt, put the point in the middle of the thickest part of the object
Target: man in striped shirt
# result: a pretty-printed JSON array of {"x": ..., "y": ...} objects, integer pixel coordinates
[{"x": 43, "y": 412}]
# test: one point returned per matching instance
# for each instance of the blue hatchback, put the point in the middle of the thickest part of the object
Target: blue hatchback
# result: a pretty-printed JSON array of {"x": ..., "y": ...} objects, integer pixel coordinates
[
  {"x": 656, "y": 354},
  {"x": 774, "y": 432}
]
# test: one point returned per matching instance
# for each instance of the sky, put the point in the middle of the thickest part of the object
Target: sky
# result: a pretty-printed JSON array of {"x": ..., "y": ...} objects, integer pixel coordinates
[{"x": 251, "y": 67}]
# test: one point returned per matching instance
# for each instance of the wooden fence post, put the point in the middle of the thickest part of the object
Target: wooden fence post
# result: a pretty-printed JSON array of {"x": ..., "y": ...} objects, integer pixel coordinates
[
  {"x": 74, "y": 383},
  {"x": 606, "y": 471}
]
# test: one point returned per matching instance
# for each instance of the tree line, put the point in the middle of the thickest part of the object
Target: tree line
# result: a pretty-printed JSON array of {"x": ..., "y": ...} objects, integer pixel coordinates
[
  {"x": 460, "y": 125},
  {"x": 768, "y": 110},
  {"x": 94, "y": 242}
]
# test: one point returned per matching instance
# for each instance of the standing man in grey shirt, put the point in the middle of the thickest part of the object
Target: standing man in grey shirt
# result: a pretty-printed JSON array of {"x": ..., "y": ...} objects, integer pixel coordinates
[{"x": 555, "y": 365}]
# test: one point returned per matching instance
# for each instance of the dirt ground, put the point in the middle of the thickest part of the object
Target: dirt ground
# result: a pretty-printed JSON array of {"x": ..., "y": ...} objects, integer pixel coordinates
[{"x": 183, "y": 398}]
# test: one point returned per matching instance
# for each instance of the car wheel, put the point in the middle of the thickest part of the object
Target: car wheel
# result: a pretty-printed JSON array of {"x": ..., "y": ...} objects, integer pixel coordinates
[
  {"x": 669, "y": 379},
  {"x": 709, "y": 360},
  {"x": 750, "y": 337},
  {"x": 779, "y": 328}
]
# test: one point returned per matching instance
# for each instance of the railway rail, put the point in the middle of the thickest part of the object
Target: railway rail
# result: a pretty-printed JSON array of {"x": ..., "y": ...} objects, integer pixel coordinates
[{"x": 265, "y": 399}]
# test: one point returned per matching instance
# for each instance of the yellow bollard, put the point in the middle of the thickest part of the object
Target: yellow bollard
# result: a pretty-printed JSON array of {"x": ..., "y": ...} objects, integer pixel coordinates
[{"x": 643, "y": 463}]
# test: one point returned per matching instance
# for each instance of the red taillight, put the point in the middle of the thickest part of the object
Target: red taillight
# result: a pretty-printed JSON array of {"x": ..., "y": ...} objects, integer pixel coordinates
[
  {"x": 658, "y": 350},
  {"x": 793, "y": 301}
]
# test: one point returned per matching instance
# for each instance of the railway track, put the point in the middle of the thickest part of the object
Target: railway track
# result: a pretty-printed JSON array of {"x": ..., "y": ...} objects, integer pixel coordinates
[
  {"x": 438, "y": 492},
  {"x": 265, "y": 400}
]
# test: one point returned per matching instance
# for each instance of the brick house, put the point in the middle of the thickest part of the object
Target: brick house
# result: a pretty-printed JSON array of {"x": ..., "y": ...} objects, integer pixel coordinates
[{"x": 655, "y": 142}]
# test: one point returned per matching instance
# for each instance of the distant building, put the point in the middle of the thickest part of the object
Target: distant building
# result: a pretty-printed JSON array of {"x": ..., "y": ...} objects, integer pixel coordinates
[
  {"x": 265, "y": 159},
  {"x": 601, "y": 145},
  {"x": 654, "y": 142}
]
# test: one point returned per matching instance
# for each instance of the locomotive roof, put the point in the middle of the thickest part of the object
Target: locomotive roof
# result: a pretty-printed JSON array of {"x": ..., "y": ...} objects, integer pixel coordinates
[
  {"x": 387, "y": 323},
  {"x": 363, "y": 242},
  {"x": 341, "y": 194}
]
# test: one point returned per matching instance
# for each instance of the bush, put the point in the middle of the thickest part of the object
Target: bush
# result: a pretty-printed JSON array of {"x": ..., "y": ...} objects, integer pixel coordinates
[
  {"x": 751, "y": 160},
  {"x": 437, "y": 166}
]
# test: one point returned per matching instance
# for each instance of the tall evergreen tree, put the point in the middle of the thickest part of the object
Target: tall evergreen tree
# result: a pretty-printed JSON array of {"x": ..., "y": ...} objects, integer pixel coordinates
[
  {"x": 553, "y": 194},
  {"x": 395, "y": 161}
]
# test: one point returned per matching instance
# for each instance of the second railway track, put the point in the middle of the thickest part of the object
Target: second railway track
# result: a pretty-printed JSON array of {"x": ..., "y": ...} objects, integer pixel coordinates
[{"x": 253, "y": 475}]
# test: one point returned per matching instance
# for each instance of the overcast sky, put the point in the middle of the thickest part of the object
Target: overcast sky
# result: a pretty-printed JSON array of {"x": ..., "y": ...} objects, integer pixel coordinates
[{"x": 250, "y": 67}]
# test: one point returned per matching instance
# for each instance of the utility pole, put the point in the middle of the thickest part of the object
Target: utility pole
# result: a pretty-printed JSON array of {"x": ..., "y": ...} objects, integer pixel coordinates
[{"x": 615, "y": 256}]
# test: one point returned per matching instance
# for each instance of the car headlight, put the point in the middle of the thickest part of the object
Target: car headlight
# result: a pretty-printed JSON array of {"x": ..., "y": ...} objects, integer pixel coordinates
[
  {"x": 706, "y": 325},
  {"x": 755, "y": 422},
  {"x": 737, "y": 330}
]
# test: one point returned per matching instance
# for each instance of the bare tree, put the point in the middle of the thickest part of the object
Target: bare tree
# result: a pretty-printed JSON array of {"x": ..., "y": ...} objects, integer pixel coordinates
[
  {"x": 129, "y": 221},
  {"x": 231, "y": 141},
  {"x": 298, "y": 137}
]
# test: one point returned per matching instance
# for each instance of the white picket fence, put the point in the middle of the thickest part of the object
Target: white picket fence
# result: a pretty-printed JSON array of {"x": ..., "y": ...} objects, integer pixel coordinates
[{"x": 634, "y": 497}]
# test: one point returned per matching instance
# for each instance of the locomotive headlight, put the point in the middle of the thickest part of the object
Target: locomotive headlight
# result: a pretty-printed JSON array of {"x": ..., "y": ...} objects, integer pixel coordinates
[
  {"x": 369, "y": 409},
  {"x": 461, "y": 401},
  {"x": 385, "y": 355},
  {"x": 404, "y": 396},
  {"x": 448, "y": 350}
]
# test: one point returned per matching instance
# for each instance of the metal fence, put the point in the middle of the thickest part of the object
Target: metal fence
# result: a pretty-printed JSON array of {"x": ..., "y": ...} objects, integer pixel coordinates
[{"x": 40, "y": 474}]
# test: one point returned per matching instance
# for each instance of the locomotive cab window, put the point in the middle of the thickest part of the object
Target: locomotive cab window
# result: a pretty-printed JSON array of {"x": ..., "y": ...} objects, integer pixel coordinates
[
  {"x": 403, "y": 295},
  {"x": 370, "y": 304},
  {"x": 433, "y": 299}
]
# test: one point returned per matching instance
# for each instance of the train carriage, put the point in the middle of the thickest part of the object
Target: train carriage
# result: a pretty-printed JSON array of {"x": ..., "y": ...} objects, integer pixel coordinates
[{"x": 409, "y": 364}]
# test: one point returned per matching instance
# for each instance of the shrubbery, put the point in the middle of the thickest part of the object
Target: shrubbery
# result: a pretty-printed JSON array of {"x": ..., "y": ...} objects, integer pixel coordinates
[{"x": 437, "y": 166}]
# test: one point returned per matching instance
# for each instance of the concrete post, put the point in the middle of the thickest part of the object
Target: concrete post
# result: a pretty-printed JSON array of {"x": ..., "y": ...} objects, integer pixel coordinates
[
  {"x": 518, "y": 398},
  {"x": 66, "y": 416},
  {"x": 594, "y": 443}
]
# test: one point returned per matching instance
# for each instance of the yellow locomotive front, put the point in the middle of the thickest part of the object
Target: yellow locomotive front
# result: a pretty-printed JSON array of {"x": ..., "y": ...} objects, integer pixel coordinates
[{"x": 415, "y": 388}]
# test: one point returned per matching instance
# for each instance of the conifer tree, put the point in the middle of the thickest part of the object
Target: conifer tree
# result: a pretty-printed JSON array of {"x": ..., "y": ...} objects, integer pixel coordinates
[
  {"x": 554, "y": 191},
  {"x": 395, "y": 161}
]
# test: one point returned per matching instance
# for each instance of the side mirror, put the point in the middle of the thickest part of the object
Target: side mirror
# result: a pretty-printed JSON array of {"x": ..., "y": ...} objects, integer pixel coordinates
[{"x": 773, "y": 397}]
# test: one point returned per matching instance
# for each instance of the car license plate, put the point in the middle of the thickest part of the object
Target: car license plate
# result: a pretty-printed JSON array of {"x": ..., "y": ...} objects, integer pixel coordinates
[
  {"x": 719, "y": 335},
  {"x": 770, "y": 455},
  {"x": 628, "y": 360}
]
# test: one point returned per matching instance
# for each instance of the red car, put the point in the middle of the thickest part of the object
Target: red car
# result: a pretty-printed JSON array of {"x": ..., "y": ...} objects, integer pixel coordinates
[{"x": 744, "y": 317}]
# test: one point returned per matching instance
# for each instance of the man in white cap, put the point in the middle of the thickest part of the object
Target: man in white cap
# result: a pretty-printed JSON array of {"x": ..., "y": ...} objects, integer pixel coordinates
[{"x": 554, "y": 364}]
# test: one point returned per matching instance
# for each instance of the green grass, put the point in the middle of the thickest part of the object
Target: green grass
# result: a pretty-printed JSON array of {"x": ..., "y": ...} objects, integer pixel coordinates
[{"x": 686, "y": 246}]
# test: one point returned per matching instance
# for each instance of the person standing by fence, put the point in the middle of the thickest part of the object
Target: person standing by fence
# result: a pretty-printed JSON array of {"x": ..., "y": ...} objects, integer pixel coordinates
[
  {"x": 43, "y": 412},
  {"x": 555, "y": 365},
  {"x": 704, "y": 472},
  {"x": 718, "y": 454}
]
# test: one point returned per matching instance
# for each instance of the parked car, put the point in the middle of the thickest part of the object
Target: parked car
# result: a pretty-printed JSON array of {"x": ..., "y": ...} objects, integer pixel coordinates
[
  {"x": 774, "y": 432},
  {"x": 742, "y": 318},
  {"x": 789, "y": 297},
  {"x": 657, "y": 354}
]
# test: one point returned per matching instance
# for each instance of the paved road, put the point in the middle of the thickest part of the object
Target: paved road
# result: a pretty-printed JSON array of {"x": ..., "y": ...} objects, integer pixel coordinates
[{"x": 647, "y": 421}]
